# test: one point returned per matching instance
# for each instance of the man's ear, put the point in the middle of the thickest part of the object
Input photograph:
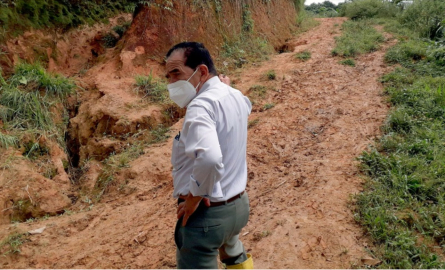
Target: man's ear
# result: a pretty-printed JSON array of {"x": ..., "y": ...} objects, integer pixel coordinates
[{"x": 204, "y": 72}]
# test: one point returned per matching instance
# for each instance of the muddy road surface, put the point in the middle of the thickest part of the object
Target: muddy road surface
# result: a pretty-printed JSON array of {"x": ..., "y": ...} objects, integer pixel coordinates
[{"x": 316, "y": 117}]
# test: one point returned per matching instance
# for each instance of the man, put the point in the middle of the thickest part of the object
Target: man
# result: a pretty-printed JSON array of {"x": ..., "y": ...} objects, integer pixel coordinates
[{"x": 209, "y": 161}]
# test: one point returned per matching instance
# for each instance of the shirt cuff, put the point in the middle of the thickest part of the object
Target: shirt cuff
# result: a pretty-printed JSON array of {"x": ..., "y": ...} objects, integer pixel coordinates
[{"x": 201, "y": 190}]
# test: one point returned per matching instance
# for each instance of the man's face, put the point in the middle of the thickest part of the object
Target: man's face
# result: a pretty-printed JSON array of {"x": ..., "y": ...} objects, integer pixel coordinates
[{"x": 177, "y": 70}]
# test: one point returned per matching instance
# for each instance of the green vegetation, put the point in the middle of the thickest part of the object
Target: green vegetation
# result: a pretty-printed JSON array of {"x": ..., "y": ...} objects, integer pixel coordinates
[
  {"x": 26, "y": 100},
  {"x": 244, "y": 49},
  {"x": 325, "y": 9},
  {"x": 117, "y": 161},
  {"x": 306, "y": 21},
  {"x": 405, "y": 191},
  {"x": 110, "y": 39},
  {"x": 268, "y": 106},
  {"x": 425, "y": 17},
  {"x": 423, "y": 56},
  {"x": 253, "y": 123},
  {"x": 7, "y": 141},
  {"x": 357, "y": 38},
  {"x": 348, "y": 62},
  {"x": 304, "y": 55},
  {"x": 121, "y": 29},
  {"x": 402, "y": 205},
  {"x": 271, "y": 75},
  {"x": 33, "y": 77},
  {"x": 12, "y": 243},
  {"x": 153, "y": 88},
  {"x": 17, "y": 16},
  {"x": 363, "y": 9},
  {"x": 258, "y": 91},
  {"x": 251, "y": 46}
]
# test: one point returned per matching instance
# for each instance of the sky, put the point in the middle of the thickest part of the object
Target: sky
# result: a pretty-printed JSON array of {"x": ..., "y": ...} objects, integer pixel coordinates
[{"x": 308, "y": 2}]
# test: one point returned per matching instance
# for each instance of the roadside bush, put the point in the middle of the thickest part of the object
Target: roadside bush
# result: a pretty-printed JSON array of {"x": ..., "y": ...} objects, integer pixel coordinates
[
  {"x": 421, "y": 57},
  {"x": 362, "y": 9},
  {"x": 412, "y": 50},
  {"x": 437, "y": 55},
  {"x": 401, "y": 31},
  {"x": 427, "y": 17}
]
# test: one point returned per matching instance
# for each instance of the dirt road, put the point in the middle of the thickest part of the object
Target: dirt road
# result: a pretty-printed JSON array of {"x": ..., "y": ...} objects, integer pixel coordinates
[{"x": 302, "y": 172}]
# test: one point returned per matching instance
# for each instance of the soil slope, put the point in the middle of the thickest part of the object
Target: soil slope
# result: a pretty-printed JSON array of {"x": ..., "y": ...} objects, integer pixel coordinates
[{"x": 302, "y": 170}]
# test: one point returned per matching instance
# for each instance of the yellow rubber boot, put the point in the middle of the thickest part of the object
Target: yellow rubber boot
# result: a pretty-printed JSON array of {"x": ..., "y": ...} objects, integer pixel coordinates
[{"x": 247, "y": 264}]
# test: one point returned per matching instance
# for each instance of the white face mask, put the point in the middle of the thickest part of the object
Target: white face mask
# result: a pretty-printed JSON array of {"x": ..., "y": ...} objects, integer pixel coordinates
[{"x": 182, "y": 92}]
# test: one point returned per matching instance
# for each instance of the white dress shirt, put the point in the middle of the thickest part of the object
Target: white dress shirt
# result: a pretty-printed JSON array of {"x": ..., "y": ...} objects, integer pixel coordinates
[{"x": 209, "y": 154}]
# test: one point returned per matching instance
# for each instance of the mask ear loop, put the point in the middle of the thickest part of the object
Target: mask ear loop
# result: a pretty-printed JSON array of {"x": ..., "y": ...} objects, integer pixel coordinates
[
  {"x": 197, "y": 85},
  {"x": 192, "y": 74}
]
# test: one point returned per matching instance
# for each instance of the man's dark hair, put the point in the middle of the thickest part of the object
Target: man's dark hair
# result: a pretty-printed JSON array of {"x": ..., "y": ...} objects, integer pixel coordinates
[{"x": 195, "y": 54}]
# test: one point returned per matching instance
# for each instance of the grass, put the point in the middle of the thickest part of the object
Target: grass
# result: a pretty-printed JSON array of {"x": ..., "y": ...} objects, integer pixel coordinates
[
  {"x": 12, "y": 243},
  {"x": 33, "y": 77},
  {"x": 348, "y": 62},
  {"x": 425, "y": 18},
  {"x": 257, "y": 236},
  {"x": 358, "y": 37},
  {"x": 253, "y": 123},
  {"x": 402, "y": 206},
  {"x": 306, "y": 21},
  {"x": 271, "y": 75},
  {"x": 405, "y": 192},
  {"x": 258, "y": 91},
  {"x": 243, "y": 50},
  {"x": 20, "y": 15},
  {"x": 7, "y": 141},
  {"x": 117, "y": 161},
  {"x": 26, "y": 100},
  {"x": 363, "y": 9},
  {"x": 268, "y": 106},
  {"x": 424, "y": 57},
  {"x": 154, "y": 89},
  {"x": 304, "y": 55}
]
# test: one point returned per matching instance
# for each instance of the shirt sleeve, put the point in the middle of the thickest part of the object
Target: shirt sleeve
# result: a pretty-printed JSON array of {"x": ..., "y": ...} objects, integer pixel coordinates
[{"x": 202, "y": 145}]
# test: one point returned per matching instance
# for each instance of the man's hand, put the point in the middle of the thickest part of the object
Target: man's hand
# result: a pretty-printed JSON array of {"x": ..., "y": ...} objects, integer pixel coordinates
[
  {"x": 189, "y": 206},
  {"x": 223, "y": 78}
]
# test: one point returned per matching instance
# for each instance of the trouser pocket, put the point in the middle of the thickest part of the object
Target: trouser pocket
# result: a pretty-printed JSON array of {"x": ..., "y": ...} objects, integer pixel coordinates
[{"x": 178, "y": 237}]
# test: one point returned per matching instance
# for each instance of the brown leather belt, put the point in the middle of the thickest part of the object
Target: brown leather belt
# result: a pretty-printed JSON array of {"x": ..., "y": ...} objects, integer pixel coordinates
[{"x": 213, "y": 204}]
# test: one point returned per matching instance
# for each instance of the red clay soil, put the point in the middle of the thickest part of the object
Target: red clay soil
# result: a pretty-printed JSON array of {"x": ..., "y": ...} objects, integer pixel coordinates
[{"x": 302, "y": 172}]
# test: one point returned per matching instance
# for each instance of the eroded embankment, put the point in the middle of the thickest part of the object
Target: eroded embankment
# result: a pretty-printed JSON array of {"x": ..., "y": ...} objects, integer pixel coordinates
[
  {"x": 313, "y": 120},
  {"x": 110, "y": 121}
]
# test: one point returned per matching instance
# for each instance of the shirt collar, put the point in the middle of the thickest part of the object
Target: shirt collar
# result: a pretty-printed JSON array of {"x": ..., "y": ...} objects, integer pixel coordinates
[{"x": 207, "y": 85}]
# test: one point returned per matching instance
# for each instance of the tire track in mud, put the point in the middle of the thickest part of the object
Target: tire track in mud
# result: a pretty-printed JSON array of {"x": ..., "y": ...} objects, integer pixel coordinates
[
  {"x": 301, "y": 173},
  {"x": 302, "y": 152}
]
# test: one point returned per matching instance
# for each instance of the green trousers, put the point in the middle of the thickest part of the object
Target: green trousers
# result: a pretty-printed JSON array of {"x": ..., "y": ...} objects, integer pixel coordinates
[{"x": 212, "y": 230}]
